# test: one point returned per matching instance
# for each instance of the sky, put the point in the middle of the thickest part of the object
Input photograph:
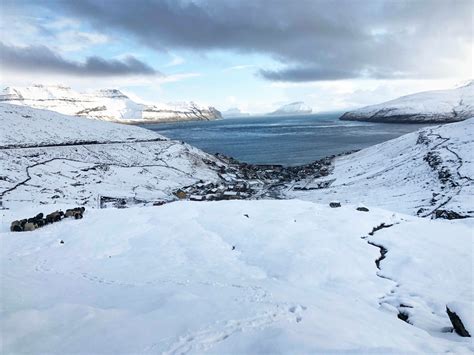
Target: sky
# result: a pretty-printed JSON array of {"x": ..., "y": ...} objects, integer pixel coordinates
[{"x": 254, "y": 55}]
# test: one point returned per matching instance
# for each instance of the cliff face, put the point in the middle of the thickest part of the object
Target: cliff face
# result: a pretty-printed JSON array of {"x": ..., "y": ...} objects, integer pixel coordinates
[
  {"x": 440, "y": 106},
  {"x": 107, "y": 105}
]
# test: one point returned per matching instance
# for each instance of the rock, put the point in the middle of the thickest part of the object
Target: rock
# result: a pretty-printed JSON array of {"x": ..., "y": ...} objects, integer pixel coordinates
[
  {"x": 246, "y": 215},
  {"x": 447, "y": 214},
  {"x": 334, "y": 204},
  {"x": 457, "y": 323},
  {"x": 362, "y": 209},
  {"x": 403, "y": 316},
  {"x": 62, "y": 242}
]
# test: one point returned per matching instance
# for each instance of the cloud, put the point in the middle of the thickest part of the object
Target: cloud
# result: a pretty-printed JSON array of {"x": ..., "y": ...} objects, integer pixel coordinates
[
  {"x": 42, "y": 59},
  {"x": 301, "y": 74},
  {"x": 313, "y": 39},
  {"x": 240, "y": 67}
]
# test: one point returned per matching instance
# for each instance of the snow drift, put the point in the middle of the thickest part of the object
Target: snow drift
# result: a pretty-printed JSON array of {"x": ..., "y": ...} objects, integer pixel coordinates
[{"x": 437, "y": 106}]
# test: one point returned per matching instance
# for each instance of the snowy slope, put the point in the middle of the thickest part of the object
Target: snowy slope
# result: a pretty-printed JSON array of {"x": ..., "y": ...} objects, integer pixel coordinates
[
  {"x": 290, "y": 277},
  {"x": 26, "y": 127},
  {"x": 418, "y": 173},
  {"x": 53, "y": 158},
  {"x": 295, "y": 108},
  {"x": 431, "y": 106},
  {"x": 107, "y": 105}
]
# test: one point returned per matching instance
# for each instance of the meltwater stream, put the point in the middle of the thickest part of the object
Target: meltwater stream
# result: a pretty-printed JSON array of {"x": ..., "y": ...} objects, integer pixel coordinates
[{"x": 286, "y": 140}]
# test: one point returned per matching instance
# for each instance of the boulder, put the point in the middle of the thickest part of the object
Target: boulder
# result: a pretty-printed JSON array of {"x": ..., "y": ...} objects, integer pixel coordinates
[
  {"x": 454, "y": 311},
  {"x": 362, "y": 209},
  {"x": 334, "y": 204},
  {"x": 447, "y": 214}
]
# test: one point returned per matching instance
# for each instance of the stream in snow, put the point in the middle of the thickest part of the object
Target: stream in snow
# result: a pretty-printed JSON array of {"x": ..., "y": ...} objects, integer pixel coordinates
[{"x": 287, "y": 140}]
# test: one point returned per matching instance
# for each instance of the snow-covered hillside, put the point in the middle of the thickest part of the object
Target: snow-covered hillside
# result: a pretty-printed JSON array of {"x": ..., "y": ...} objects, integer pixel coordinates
[
  {"x": 107, "y": 105},
  {"x": 231, "y": 276},
  {"x": 241, "y": 277},
  {"x": 48, "y": 157},
  {"x": 437, "y": 106},
  {"x": 295, "y": 108},
  {"x": 234, "y": 112},
  {"x": 419, "y": 173}
]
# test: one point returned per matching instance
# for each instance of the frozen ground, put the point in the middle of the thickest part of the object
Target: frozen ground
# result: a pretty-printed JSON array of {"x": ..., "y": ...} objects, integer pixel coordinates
[
  {"x": 417, "y": 173},
  {"x": 187, "y": 277}
]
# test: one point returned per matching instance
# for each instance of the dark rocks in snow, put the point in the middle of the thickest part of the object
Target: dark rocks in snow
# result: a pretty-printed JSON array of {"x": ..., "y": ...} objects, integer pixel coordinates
[
  {"x": 379, "y": 227},
  {"x": 246, "y": 215},
  {"x": 362, "y": 209},
  {"x": 457, "y": 323},
  {"x": 334, "y": 204},
  {"x": 435, "y": 162},
  {"x": 61, "y": 242},
  {"x": 423, "y": 138},
  {"x": 383, "y": 252},
  {"x": 403, "y": 316},
  {"x": 447, "y": 214}
]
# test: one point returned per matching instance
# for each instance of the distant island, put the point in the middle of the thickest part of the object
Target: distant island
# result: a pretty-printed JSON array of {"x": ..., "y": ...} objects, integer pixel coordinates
[
  {"x": 295, "y": 108},
  {"x": 234, "y": 112}
]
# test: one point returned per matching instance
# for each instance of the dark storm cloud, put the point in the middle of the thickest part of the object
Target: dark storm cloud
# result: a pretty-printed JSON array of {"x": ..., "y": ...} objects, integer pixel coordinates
[
  {"x": 337, "y": 39},
  {"x": 298, "y": 74},
  {"x": 42, "y": 59}
]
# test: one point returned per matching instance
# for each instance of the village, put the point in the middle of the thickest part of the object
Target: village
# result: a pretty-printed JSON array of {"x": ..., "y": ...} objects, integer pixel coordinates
[{"x": 241, "y": 181}]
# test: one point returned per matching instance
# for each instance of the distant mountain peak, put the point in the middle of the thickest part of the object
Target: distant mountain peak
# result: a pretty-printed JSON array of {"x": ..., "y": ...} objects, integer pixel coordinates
[
  {"x": 294, "y": 108},
  {"x": 112, "y": 93}
]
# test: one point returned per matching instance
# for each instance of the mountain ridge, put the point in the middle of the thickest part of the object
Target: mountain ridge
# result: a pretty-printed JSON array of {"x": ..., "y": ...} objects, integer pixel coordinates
[
  {"x": 104, "y": 104},
  {"x": 434, "y": 106}
]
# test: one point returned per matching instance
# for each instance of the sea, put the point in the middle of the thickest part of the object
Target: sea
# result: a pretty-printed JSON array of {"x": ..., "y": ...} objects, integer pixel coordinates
[{"x": 285, "y": 140}]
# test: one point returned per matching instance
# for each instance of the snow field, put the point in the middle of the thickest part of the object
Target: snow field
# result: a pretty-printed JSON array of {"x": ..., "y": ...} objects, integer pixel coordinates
[{"x": 167, "y": 279}]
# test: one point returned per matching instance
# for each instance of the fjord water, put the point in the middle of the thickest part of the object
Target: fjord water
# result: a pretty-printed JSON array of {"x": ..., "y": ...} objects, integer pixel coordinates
[{"x": 287, "y": 140}]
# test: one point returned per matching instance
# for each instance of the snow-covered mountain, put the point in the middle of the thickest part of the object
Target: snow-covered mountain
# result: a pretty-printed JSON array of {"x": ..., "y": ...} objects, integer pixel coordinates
[
  {"x": 295, "y": 108},
  {"x": 234, "y": 112},
  {"x": 419, "y": 173},
  {"x": 48, "y": 157},
  {"x": 108, "y": 105},
  {"x": 437, "y": 106}
]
